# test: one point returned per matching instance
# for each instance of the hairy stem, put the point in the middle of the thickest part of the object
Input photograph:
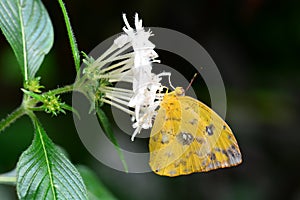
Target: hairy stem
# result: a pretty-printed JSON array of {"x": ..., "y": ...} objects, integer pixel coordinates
[
  {"x": 65, "y": 89},
  {"x": 12, "y": 117},
  {"x": 72, "y": 40}
]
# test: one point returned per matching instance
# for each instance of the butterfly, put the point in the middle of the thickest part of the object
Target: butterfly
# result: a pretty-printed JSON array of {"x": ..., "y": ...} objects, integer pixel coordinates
[{"x": 187, "y": 137}]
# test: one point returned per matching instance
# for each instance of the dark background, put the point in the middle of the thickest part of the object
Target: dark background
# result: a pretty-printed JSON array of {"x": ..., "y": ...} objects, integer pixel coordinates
[{"x": 255, "y": 44}]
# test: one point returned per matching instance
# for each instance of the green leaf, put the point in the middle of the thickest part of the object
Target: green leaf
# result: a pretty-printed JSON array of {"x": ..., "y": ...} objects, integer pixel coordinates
[
  {"x": 96, "y": 189},
  {"x": 43, "y": 172},
  {"x": 27, "y": 27},
  {"x": 105, "y": 124}
]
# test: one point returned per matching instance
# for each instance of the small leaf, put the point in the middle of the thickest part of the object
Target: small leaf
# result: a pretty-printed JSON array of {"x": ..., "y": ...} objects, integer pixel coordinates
[
  {"x": 43, "y": 172},
  {"x": 96, "y": 189},
  {"x": 27, "y": 27},
  {"x": 105, "y": 124}
]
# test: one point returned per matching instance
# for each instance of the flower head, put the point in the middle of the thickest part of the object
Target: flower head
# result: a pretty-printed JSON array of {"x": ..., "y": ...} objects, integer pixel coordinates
[
  {"x": 145, "y": 84},
  {"x": 134, "y": 67}
]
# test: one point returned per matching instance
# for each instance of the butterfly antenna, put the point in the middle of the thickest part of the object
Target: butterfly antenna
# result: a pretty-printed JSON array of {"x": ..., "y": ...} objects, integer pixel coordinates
[{"x": 190, "y": 84}]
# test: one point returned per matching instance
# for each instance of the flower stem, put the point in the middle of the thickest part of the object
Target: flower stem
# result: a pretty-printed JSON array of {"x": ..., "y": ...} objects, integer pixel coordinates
[{"x": 12, "y": 117}]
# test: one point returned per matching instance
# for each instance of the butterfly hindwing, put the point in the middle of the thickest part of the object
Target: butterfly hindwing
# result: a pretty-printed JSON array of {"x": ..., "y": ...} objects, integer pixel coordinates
[
  {"x": 187, "y": 136},
  {"x": 217, "y": 142}
]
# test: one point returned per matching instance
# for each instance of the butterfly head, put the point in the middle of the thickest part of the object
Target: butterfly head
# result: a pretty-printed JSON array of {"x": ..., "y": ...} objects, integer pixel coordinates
[{"x": 179, "y": 91}]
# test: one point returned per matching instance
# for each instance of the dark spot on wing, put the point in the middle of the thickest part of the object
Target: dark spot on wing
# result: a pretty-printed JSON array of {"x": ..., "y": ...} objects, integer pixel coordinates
[
  {"x": 185, "y": 138},
  {"x": 173, "y": 119},
  {"x": 225, "y": 152},
  {"x": 230, "y": 153},
  {"x": 200, "y": 140},
  {"x": 193, "y": 121},
  {"x": 165, "y": 139},
  {"x": 212, "y": 156},
  {"x": 233, "y": 155},
  {"x": 154, "y": 138},
  {"x": 217, "y": 149},
  {"x": 183, "y": 162},
  {"x": 210, "y": 129}
]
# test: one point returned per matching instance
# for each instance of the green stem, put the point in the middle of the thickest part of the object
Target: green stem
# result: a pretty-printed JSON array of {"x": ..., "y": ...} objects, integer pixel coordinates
[
  {"x": 32, "y": 117},
  {"x": 11, "y": 118},
  {"x": 37, "y": 109},
  {"x": 10, "y": 180},
  {"x": 72, "y": 40},
  {"x": 65, "y": 89},
  {"x": 4, "y": 123}
]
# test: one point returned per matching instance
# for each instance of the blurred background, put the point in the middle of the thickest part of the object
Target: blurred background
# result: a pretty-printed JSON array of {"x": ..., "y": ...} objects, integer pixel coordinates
[{"x": 254, "y": 43}]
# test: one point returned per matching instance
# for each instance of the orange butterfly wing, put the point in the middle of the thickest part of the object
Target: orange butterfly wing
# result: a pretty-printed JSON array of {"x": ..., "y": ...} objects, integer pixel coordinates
[{"x": 187, "y": 136}]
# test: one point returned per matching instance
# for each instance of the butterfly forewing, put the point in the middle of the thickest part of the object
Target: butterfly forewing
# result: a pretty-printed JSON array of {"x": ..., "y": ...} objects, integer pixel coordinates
[
  {"x": 187, "y": 136},
  {"x": 163, "y": 146}
]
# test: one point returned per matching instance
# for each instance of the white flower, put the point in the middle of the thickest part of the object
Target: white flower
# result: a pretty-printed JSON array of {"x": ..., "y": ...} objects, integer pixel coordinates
[
  {"x": 145, "y": 83},
  {"x": 133, "y": 67}
]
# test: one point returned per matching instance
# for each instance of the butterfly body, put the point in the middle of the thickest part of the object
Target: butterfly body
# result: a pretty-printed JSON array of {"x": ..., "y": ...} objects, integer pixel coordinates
[{"x": 187, "y": 137}]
